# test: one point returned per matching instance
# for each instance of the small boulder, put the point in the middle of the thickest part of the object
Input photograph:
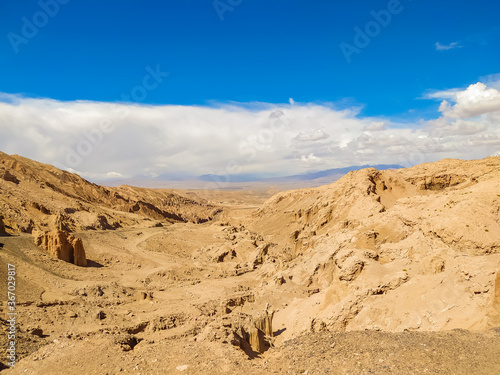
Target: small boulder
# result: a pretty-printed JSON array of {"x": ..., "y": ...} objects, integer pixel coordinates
[{"x": 36, "y": 332}]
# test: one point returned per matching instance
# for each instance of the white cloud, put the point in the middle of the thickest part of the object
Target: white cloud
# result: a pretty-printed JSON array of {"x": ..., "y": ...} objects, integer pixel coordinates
[
  {"x": 476, "y": 100},
  {"x": 446, "y": 47},
  {"x": 109, "y": 140},
  {"x": 440, "y": 95}
]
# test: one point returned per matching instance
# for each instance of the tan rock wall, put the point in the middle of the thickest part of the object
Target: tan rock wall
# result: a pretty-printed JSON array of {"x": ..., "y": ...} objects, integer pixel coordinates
[{"x": 62, "y": 245}]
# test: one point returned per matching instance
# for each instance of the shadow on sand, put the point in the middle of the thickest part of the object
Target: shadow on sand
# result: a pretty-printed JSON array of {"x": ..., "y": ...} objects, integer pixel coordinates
[{"x": 91, "y": 263}]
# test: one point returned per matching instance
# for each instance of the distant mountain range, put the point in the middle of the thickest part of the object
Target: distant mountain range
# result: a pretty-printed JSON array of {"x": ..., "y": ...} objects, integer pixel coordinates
[
  {"x": 178, "y": 181},
  {"x": 333, "y": 173}
]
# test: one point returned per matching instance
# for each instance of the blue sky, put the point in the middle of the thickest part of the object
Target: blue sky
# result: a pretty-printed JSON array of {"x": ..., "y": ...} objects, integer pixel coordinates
[
  {"x": 256, "y": 51},
  {"x": 263, "y": 51}
]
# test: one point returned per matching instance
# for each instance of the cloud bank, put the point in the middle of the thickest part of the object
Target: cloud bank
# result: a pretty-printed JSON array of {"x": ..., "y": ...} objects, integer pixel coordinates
[{"x": 113, "y": 140}]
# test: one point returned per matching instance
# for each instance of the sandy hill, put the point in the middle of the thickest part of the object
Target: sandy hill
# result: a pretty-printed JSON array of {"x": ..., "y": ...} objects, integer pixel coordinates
[
  {"x": 396, "y": 250},
  {"x": 389, "y": 272},
  {"x": 40, "y": 196}
]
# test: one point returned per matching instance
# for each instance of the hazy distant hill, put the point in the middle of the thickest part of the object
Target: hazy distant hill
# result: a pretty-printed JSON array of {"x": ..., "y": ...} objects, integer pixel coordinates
[
  {"x": 242, "y": 181},
  {"x": 334, "y": 174}
]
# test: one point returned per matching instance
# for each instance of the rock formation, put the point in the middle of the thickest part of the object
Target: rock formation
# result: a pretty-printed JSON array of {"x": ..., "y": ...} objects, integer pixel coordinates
[
  {"x": 62, "y": 245},
  {"x": 257, "y": 332}
]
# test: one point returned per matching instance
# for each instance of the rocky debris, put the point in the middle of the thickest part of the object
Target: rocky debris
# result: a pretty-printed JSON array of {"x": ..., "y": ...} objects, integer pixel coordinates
[
  {"x": 137, "y": 328},
  {"x": 166, "y": 322},
  {"x": 210, "y": 308},
  {"x": 158, "y": 323},
  {"x": 127, "y": 342},
  {"x": 28, "y": 341},
  {"x": 62, "y": 245},
  {"x": 15, "y": 224},
  {"x": 370, "y": 352},
  {"x": 105, "y": 293},
  {"x": 312, "y": 291}
]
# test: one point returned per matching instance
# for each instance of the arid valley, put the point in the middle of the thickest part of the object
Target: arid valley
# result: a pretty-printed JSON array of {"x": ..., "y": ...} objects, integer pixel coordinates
[
  {"x": 386, "y": 272},
  {"x": 249, "y": 187}
]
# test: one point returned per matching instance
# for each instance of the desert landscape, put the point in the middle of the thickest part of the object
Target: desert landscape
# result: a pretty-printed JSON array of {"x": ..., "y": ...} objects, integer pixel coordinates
[
  {"x": 249, "y": 187},
  {"x": 381, "y": 271}
]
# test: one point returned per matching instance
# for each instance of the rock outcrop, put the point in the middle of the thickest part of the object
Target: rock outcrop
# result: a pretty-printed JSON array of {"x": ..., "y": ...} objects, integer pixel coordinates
[
  {"x": 255, "y": 333},
  {"x": 62, "y": 245}
]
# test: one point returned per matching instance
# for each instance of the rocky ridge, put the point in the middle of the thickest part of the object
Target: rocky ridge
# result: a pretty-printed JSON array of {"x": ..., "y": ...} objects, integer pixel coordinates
[{"x": 40, "y": 196}]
